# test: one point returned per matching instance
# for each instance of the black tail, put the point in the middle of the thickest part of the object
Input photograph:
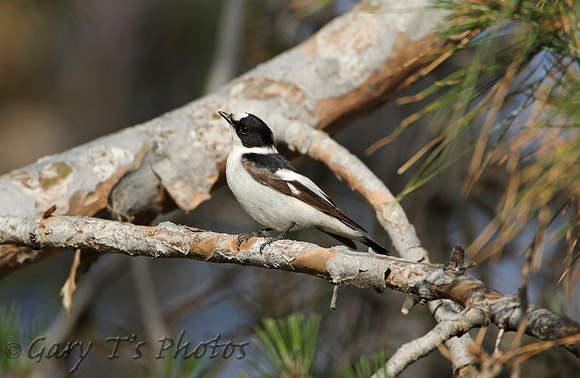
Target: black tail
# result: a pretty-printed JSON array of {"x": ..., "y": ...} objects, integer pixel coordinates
[
  {"x": 375, "y": 246},
  {"x": 364, "y": 239},
  {"x": 346, "y": 241}
]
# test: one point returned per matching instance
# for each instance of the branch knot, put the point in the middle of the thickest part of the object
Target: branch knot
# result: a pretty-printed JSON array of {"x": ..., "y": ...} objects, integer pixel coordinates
[{"x": 456, "y": 264}]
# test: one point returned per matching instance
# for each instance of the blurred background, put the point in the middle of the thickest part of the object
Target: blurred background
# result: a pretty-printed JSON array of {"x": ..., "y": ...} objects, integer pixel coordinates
[{"x": 72, "y": 71}]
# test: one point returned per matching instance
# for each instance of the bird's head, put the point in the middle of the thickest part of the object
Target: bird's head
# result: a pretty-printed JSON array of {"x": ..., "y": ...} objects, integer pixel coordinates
[{"x": 248, "y": 130}]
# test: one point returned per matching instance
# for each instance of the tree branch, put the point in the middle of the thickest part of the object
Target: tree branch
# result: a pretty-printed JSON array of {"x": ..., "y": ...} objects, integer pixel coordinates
[
  {"x": 421, "y": 347},
  {"x": 337, "y": 264}
]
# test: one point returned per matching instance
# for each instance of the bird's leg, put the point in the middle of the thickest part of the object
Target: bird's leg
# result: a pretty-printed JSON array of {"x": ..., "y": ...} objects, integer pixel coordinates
[
  {"x": 279, "y": 237},
  {"x": 258, "y": 233}
]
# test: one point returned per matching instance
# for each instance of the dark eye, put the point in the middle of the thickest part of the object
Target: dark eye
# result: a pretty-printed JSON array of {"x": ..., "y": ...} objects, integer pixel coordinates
[{"x": 244, "y": 129}]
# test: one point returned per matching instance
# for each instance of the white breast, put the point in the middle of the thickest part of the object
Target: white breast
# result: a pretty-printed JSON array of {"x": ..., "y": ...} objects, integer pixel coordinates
[{"x": 265, "y": 205}]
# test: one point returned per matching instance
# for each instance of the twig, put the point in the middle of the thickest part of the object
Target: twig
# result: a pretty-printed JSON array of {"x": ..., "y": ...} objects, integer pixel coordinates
[
  {"x": 498, "y": 340},
  {"x": 334, "y": 297},
  {"x": 527, "y": 268}
]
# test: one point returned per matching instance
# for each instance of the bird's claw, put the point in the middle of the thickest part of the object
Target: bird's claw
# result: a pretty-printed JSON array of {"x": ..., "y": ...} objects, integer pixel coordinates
[
  {"x": 270, "y": 241},
  {"x": 242, "y": 238},
  {"x": 278, "y": 237},
  {"x": 247, "y": 236}
]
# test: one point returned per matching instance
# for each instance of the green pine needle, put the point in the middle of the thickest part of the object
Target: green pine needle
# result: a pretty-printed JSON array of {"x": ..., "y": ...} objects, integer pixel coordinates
[
  {"x": 525, "y": 59},
  {"x": 364, "y": 369},
  {"x": 288, "y": 345}
]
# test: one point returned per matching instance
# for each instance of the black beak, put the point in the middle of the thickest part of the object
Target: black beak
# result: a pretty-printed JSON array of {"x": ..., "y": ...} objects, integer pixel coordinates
[{"x": 226, "y": 116}]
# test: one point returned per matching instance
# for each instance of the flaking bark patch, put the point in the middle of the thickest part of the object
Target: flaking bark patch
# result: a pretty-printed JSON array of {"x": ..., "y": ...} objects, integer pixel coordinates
[
  {"x": 314, "y": 261},
  {"x": 364, "y": 273}
]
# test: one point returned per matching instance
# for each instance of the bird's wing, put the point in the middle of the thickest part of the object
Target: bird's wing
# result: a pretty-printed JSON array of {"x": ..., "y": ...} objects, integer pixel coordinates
[{"x": 284, "y": 179}]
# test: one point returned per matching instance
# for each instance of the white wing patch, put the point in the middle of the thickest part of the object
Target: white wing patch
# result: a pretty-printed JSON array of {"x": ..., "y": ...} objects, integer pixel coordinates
[
  {"x": 288, "y": 175},
  {"x": 294, "y": 190}
]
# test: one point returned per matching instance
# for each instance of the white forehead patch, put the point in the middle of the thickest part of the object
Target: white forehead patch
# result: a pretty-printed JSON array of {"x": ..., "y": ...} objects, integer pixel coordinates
[{"x": 236, "y": 117}]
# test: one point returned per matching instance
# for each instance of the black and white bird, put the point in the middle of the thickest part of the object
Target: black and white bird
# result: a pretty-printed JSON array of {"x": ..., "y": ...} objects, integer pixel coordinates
[{"x": 268, "y": 187}]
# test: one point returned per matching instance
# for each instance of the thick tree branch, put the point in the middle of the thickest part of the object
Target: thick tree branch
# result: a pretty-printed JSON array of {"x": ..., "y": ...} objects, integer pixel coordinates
[{"x": 337, "y": 264}]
